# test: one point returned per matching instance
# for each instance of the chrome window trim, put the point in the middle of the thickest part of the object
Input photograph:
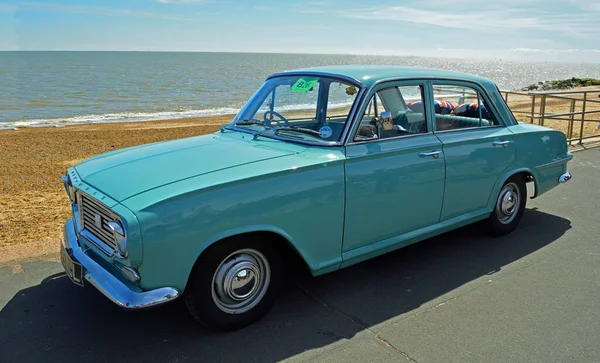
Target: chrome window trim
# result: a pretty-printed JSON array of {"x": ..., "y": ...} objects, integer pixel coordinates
[
  {"x": 469, "y": 129},
  {"x": 389, "y": 138}
]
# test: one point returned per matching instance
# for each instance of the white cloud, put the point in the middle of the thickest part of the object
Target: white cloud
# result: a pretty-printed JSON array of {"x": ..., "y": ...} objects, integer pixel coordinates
[
  {"x": 81, "y": 9},
  {"x": 501, "y": 15},
  {"x": 477, "y": 19}
]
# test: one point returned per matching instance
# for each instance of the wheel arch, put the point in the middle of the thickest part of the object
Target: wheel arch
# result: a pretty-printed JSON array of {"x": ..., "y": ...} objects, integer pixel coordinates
[
  {"x": 294, "y": 259},
  {"x": 526, "y": 173}
]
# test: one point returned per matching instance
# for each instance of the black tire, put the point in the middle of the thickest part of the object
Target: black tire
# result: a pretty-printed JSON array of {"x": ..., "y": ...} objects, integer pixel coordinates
[
  {"x": 504, "y": 219},
  {"x": 213, "y": 304}
]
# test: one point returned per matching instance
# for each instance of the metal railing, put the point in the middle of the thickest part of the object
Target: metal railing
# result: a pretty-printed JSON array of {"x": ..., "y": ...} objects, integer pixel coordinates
[{"x": 549, "y": 106}]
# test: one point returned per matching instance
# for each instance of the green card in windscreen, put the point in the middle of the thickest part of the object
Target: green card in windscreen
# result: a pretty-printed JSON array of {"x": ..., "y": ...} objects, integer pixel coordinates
[{"x": 304, "y": 85}]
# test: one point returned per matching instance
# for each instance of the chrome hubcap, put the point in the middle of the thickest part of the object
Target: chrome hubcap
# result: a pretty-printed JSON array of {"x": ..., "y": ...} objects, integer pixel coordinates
[
  {"x": 507, "y": 205},
  {"x": 241, "y": 281}
]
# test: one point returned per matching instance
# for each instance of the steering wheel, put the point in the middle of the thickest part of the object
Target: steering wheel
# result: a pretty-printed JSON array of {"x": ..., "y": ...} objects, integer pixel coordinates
[{"x": 281, "y": 118}]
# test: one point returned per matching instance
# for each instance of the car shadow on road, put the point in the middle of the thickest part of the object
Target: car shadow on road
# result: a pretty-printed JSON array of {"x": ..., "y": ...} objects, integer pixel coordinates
[{"x": 57, "y": 321}]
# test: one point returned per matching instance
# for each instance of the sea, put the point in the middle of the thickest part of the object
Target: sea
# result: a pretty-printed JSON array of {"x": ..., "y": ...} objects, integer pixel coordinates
[{"x": 49, "y": 88}]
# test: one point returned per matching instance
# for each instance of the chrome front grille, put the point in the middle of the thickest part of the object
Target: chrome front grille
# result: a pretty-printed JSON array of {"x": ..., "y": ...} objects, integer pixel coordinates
[{"x": 93, "y": 216}]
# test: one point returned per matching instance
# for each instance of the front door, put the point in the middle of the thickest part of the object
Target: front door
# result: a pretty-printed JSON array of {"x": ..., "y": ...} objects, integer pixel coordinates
[{"x": 394, "y": 169}]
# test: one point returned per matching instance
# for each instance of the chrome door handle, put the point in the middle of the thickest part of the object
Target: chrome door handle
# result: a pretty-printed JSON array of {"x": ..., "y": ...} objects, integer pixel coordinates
[
  {"x": 435, "y": 154},
  {"x": 501, "y": 143}
]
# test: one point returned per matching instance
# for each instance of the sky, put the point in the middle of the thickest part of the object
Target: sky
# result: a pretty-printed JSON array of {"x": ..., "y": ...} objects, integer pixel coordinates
[{"x": 552, "y": 30}]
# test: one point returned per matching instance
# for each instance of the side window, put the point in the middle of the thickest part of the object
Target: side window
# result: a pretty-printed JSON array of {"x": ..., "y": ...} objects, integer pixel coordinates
[
  {"x": 460, "y": 107},
  {"x": 392, "y": 112}
]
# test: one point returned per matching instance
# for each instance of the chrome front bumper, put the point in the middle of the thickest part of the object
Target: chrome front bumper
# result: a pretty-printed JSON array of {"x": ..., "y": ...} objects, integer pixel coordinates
[{"x": 105, "y": 282}]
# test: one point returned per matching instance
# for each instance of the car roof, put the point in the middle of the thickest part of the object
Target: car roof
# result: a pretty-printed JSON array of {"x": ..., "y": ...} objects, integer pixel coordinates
[{"x": 369, "y": 74}]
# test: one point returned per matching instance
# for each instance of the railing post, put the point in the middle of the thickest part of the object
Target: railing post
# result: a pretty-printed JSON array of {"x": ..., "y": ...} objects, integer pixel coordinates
[
  {"x": 571, "y": 120},
  {"x": 542, "y": 109},
  {"x": 506, "y": 97},
  {"x": 582, "y": 118},
  {"x": 532, "y": 108}
]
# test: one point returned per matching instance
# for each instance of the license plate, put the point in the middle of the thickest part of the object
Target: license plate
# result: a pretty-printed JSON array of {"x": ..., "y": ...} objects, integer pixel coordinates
[{"x": 72, "y": 268}]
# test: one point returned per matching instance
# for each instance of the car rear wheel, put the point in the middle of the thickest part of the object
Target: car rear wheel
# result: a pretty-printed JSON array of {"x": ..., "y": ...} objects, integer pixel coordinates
[
  {"x": 509, "y": 206},
  {"x": 234, "y": 284}
]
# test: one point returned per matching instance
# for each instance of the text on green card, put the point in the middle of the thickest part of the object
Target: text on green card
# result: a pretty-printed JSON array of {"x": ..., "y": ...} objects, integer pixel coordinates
[{"x": 303, "y": 85}]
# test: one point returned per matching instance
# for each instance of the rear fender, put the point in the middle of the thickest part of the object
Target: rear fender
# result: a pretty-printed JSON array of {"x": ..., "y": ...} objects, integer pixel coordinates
[{"x": 507, "y": 175}]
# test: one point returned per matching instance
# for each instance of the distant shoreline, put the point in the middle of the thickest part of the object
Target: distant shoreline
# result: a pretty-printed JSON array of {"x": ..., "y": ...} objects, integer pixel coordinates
[{"x": 440, "y": 55}]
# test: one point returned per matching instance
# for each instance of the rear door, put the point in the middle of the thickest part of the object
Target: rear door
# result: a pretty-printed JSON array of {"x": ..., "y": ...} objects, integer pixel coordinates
[{"x": 477, "y": 146}]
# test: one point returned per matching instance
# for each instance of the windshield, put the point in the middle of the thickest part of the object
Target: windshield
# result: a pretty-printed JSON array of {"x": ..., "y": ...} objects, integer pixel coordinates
[{"x": 299, "y": 107}]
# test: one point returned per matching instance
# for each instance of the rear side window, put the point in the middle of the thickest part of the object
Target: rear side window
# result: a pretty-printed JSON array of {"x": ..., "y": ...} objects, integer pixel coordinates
[{"x": 460, "y": 107}]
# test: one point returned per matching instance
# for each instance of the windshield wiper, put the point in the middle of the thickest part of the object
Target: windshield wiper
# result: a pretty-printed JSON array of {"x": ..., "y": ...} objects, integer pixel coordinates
[
  {"x": 287, "y": 128},
  {"x": 250, "y": 122},
  {"x": 299, "y": 129}
]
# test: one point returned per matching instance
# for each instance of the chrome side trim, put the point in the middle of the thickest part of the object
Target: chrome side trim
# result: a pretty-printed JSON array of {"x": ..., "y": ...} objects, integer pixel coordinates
[
  {"x": 109, "y": 285},
  {"x": 554, "y": 163}
]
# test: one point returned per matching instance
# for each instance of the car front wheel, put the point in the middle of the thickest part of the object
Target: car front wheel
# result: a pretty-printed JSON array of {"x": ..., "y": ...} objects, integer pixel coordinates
[
  {"x": 509, "y": 206},
  {"x": 234, "y": 284}
]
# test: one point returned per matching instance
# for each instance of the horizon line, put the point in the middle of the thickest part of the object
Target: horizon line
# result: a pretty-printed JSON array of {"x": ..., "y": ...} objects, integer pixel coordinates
[{"x": 496, "y": 58}]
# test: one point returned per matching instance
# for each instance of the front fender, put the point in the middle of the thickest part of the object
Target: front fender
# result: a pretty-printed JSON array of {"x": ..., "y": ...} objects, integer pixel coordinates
[{"x": 305, "y": 206}]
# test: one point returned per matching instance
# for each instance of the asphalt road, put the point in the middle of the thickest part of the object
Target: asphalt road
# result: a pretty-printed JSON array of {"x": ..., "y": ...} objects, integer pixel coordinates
[{"x": 532, "y": 296}]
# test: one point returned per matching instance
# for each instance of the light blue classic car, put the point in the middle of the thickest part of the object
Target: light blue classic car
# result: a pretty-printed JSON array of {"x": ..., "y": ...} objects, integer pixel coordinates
[{"x": 322, "y": 168}]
